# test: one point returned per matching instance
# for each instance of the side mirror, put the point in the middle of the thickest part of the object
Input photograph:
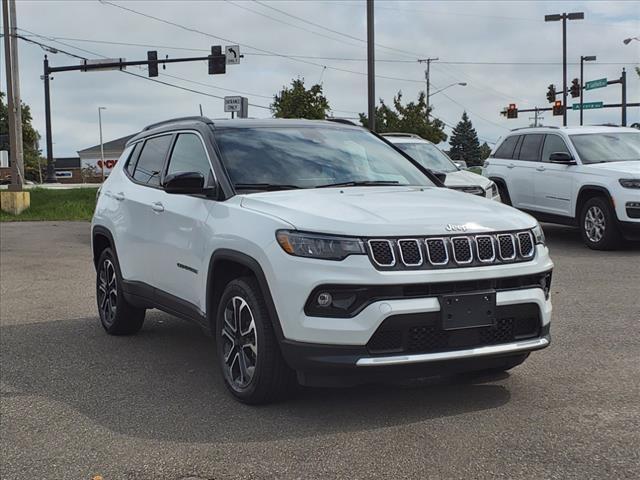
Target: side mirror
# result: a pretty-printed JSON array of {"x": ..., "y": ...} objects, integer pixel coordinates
[
  {"x": 184, "y": 183},
  {"x": 563, "y": 158}
]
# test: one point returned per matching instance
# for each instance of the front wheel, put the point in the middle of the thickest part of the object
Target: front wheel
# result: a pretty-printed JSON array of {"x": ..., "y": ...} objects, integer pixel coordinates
[
  {"x": 248, "y": 352},
  {"x": 118, "y": 317},
  {"x": 598, "y": 225}
]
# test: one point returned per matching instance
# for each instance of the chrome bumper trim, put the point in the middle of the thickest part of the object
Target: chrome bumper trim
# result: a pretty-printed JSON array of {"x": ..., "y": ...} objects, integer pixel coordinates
[{"x": 514, "y": 347}]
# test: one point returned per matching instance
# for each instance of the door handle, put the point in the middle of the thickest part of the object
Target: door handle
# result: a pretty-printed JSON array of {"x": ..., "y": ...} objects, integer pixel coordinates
[
  {"x": 157, "y": 207},
  {"x": 511, "y": 165},
  {"x": 540, "y": 169},
  {"x": 118, "y": 196}
]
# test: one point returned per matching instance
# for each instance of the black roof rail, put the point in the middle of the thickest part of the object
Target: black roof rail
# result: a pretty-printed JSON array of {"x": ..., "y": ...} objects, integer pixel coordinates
[
  {"x": 342, "y": 120},
  {"x": 401, "y": 134},
  {"x": 195, "y": 118}
]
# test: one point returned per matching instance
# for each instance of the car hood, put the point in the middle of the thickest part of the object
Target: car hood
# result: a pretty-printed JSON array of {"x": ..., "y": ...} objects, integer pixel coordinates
[
  {"x": 462, "y": 178},
  {"x": 386, "y": 211},
  {"x": 629, "y": 167}
]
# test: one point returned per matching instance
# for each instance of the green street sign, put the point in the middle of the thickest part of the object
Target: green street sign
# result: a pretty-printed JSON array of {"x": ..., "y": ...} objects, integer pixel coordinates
[
  {"x": 587, "y": 105},
  {"x": 601, "y": 82}
]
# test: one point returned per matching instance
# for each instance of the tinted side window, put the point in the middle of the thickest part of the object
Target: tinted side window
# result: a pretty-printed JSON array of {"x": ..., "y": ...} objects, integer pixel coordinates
[
  {"x": 552, "y": 144},
  {"x": 133, "y": 159},
  {"x": 151, "y": 160},
  {"x": 506, "y": 149},
  {"x": 189, "y": 155},
  {"x": 530, "y": 149}
]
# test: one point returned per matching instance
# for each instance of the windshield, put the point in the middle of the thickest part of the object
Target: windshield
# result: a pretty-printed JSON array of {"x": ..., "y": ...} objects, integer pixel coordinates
[
  {"x": 607, "y": 147},
  {"x": 309, "y": 157},
  {"x": 429, "y": 156}
]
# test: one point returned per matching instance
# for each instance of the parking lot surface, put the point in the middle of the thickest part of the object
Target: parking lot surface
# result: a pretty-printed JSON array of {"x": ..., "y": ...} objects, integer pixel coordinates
[{"x": 76, "y": 403}]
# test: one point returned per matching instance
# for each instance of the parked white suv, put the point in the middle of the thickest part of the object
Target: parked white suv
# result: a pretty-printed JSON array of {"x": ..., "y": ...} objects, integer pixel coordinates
[
  {"x": 583, "y": 176},
  {"x": 315, "y": 251},
  {"x": 434, "y": 159}
]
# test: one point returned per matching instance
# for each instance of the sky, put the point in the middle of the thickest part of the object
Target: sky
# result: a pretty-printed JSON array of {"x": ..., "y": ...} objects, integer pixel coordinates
[{"x": 502, "y": 50}]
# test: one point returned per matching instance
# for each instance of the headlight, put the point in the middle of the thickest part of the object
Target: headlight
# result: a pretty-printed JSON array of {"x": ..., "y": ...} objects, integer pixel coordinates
[
  {"x": 630, "y": 182},
  {"x": 314, "y": 245},
  {"x": 538, "y": 234}
]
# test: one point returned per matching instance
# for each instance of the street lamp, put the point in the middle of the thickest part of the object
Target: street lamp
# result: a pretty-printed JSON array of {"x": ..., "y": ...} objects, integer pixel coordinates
[
  {"x": 462, "y": 84},
  {"x": 101, "y": 144},
  {"x": 588, "y": 58},
  {"x": 564, "y": 17},
  {"x": 627, "y": 41}
]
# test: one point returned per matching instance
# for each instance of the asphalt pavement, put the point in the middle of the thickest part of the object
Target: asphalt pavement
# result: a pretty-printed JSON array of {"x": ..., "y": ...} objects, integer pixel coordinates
[{"x": 76, "y": 403}]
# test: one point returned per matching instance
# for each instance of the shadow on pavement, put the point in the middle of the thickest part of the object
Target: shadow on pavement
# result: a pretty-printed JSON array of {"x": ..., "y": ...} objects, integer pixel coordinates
[
  {"x": 569, "y": 237},
  {"x": 164, "y": 384}
]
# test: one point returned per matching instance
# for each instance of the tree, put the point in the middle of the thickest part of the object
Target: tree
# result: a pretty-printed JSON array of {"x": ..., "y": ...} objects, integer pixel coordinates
[
  {"x": 464, "y": 142},
  {"x": 30, "y": 138},
  {"x": 485, "y": 151},
  {"x": 409, "y": 118},
  {"x": 298, "y": 102}
]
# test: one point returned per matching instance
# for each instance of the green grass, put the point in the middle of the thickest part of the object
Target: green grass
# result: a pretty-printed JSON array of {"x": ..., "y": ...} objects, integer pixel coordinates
[
  {"x": 475, "y": 169},
  {"x": 50, "y": 204}
]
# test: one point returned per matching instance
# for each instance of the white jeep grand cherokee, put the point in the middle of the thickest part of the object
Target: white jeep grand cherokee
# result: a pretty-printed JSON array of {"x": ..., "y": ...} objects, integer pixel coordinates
[
  {"x": 583, "y": 176},
  {"x": 315, "y": 251}
]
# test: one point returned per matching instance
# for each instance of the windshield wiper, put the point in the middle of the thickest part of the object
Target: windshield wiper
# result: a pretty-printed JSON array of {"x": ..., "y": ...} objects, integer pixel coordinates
[
  {"x": 264, "y": 186},
  {"x": 365, "y": 183}
]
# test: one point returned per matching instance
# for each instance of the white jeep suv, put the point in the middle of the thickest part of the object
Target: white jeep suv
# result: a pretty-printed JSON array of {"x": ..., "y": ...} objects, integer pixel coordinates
[
  {"x": 315, "y": 252},
  {"x": 583, "y": 176},
  {"x": 432, "y": 158}
]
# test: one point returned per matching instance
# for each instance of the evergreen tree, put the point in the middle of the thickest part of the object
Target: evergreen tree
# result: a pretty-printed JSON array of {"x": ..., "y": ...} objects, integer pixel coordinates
[
  {"x": 464, "y": 142},
  {"x": 298, "y": 102},
  {"x": 485, "y": 151},
  {"x": 409, "y": 118}
]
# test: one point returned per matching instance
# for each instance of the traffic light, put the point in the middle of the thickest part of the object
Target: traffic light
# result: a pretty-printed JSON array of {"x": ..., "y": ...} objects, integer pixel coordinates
[
  {"x": 558, "y": 108},
  {"x": 575, "y": 88},
  {"x": 217, "y": 61},
  {"x": 512, "y": 111},
  {"x": 551, "y": 93},
  {"x": 152, "y": 59}
]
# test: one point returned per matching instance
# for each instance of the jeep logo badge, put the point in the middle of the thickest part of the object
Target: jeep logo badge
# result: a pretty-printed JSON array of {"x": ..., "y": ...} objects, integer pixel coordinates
[{"x": 455, "y": 228}]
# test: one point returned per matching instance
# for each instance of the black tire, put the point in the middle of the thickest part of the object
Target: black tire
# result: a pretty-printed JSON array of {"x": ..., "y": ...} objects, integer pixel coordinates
[
  {"x": 504, "y": 194},
  {"x": 248, "y": 353},
  {"x": 598, "y": 225},
  {"x": 118, "y": 317}
]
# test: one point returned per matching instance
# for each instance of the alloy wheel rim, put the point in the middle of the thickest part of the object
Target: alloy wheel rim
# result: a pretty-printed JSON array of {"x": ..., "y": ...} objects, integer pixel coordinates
[
  {"x": 594, "y": 224},
  {"x": 107, "y": 291},
  {"x": 239, "y": 343}
]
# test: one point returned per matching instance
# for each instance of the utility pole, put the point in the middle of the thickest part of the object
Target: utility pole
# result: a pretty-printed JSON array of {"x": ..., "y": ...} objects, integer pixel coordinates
[
  {"x": 536, "y": 116},
  {"x": 623, "y": 80},
  {"x": 371, "y": 68},
  {"x": 427, "y": 79},
  {"x": 14, "y": 104},
  {"x": 564, "y": 17},
  {"x": 101, "y": 144},
  {"x": 589, "y": 58},
  {"x": 51, "y": 176}
]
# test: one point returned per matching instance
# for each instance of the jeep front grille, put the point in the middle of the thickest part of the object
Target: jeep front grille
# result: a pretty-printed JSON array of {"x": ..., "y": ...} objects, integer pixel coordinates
[{"x": 452, "y": 251}]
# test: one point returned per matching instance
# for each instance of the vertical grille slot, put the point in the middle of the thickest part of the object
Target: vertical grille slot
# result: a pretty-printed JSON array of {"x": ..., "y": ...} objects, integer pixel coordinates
[
  {"x": 382, "y": 252},
  {"x": 525, "y": 244},
  {"x": 410, "y": 252},
  {"x": 437, "y": 251},
  {"x": 461, "y": 247},
  {"x": 486, "y": 248},
  {"x": 506, "y": 246}
]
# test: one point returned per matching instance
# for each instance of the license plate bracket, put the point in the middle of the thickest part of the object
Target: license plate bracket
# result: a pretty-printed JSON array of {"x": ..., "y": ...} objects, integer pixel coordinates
[{"x": 468, "y": 310}]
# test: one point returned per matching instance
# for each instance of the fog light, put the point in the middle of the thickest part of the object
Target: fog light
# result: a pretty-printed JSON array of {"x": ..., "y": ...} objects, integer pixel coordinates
[{"x": 324, "y": 299}]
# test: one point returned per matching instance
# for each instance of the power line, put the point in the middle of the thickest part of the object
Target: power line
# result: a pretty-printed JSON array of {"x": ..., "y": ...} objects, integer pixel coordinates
[
  {"x": 281, "y": 55},
  {"x": 404, "y": 52}
]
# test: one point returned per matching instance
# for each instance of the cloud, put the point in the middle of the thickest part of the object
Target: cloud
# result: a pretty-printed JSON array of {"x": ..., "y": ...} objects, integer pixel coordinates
[{"x": 453, "y": 31}]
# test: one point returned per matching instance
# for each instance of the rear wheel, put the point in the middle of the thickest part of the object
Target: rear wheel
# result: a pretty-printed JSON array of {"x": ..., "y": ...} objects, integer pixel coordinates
[
  {"x": 252, "y": 365},
  {"x": 598, "y": 225},
  {"x": 118, "y": 317}
]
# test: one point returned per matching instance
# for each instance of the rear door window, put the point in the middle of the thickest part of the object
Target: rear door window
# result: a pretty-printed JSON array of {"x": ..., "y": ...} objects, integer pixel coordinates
[
  {"x": 151, "y": 160},
  {"x": 507, "y": 147},
  {"x": 530, "y": 148}
]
